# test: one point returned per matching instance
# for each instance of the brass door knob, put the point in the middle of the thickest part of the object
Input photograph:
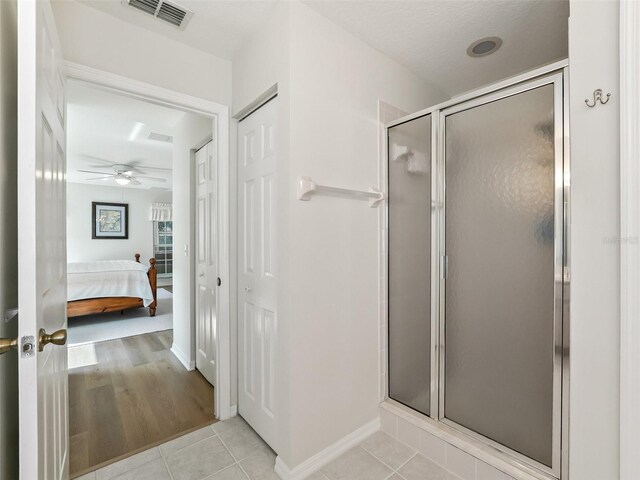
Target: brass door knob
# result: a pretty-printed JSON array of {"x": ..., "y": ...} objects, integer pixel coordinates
[
  {"x": 7, "y": 344},
  {"x": 57, "y": 338}
]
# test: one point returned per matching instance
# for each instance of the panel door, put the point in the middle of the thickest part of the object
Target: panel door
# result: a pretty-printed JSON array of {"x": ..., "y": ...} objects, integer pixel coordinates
[
  {"x": 42, "y": 285},
  {"x": 206, "y": 260},
  {"x": 257, "y": 314}
]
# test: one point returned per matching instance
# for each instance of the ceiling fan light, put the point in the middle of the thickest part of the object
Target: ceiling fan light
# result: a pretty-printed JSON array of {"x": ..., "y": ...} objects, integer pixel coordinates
[{"x": 123, "y": 180}]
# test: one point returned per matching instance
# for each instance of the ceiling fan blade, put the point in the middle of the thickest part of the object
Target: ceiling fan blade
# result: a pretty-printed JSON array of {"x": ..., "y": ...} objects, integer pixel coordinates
[
  {"x": 92, "y": 171},
  {"x": 97, "y": 159},
  {"x": 140, "y": 168},
  {"x": 101, "y": 178},
  {"x": 153, "y": 179},
  {"x": 133, "y": 181}
]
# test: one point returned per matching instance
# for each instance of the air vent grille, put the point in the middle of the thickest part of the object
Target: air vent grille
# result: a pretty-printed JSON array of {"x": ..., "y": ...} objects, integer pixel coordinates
[
  {"x": 160, "y": 137},
  {"x": 149, "y": 6},
  {"x": 167, "y": 11},
  {"x": 171, "y": 14}
]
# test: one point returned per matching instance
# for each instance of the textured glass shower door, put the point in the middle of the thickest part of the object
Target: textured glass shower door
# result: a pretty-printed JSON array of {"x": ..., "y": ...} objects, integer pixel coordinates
[
  {"x": 503, "y": 235},
  {"x": 409, "y": 263}
]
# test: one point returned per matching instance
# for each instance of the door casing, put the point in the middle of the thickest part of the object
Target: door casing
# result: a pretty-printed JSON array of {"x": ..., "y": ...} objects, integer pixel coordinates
[{"x": 162, "y": 96}]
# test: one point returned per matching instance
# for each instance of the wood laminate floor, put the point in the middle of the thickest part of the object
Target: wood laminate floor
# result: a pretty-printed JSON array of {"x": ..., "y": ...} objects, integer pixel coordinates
[{"x": 136, "y": 396}]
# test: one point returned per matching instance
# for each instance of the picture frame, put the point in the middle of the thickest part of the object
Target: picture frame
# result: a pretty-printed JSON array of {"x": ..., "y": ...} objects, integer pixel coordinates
[{"x": 110, "y": 221}]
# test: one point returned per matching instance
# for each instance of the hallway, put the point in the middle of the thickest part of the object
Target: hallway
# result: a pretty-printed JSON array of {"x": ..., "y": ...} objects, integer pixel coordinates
[{"x": 132, "y": 394}]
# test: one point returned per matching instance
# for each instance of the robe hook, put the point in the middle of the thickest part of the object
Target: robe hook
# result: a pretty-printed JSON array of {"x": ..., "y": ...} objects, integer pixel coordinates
[{"x": 597, "y": 97}]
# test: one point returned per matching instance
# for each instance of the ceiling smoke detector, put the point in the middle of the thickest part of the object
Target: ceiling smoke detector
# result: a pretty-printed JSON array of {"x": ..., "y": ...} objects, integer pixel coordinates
[
  {"x": 167, "y": 11},
  {"x": 485, "y": 46}
]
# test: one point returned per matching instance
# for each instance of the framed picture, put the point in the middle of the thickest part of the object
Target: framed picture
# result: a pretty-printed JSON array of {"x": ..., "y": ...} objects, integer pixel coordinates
[{"x": 110, "y": 220}]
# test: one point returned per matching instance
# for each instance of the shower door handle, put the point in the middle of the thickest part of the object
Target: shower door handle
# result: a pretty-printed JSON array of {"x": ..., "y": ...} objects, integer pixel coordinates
[{"x": 444, "y": 268}]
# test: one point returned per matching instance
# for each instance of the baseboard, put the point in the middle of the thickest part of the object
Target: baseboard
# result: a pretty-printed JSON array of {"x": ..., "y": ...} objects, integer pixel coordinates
[
  {"x": 327, "y": 455},
  {"x": 184, "y": 360},
  {"x": 233, "y": 411}
]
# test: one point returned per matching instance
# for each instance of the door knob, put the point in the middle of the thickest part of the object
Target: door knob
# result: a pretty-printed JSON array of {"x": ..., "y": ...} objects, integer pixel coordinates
[
  {"x": 7, "y": 344},
  {"x": 57, "y": 338}
]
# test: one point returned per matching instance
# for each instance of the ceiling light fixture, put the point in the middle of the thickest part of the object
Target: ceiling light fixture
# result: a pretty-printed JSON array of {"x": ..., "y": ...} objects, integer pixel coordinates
[
  {"x": 123, "y": 180},
  {"x": 485, "y": 46},
  {"x": 135, "y": 131}
]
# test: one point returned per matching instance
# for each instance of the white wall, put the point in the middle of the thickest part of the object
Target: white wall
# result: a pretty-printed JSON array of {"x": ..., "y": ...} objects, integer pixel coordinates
[
  {"x": 99, "y": 40},
  {"x": 328, "y": 298},
  {"x": 82, "y": 248},
  {"x": 595, "y": 289},
  {"x": 336, "y": 82},
  {"x": 191, "y": 132},
  {"x": 8, "y": 237}
]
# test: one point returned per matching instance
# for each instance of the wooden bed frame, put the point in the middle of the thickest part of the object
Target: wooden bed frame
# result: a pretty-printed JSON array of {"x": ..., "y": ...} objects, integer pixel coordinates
[{"x": 88, "y": 306}]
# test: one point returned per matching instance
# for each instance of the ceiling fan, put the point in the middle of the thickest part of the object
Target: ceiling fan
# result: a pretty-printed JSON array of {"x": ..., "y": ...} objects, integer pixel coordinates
[{"x": 123, "y": 175}]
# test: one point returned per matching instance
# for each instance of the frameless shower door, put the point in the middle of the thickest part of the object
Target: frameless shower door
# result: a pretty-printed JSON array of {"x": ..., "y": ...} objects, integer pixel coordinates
[
  {"x": 409, "y": 267},
  {"x": 503, "y": 244}
]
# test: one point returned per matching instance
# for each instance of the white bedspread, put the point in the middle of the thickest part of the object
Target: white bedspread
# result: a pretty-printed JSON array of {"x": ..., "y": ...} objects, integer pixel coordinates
[{"x": 108, "y": 278}]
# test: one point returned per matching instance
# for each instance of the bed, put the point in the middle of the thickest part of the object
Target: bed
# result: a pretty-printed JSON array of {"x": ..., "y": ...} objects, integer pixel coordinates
[{"x": 111, "y": 286}]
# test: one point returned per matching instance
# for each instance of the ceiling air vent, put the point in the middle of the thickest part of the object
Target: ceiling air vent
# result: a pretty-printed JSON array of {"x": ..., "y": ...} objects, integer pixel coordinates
[
  {"x": 170, "y": 12},
  {"x": 160, "y": 137}
]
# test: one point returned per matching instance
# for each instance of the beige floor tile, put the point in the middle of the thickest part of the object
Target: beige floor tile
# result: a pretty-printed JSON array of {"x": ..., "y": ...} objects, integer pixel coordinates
[
  {"x": 198, "y": 461},
  {"x": 259, "y": 466},
  {"x": 88, "y": 476},
  {"x": 185, "y": 440},
  {"x": 390, "y": 451},
  {"x": 421, "y": 468},
  {"x": 239, "y": 437},
  {"x": 231, "y": 473},
  {"x": 316, "y": 476},
  {"x": 356, "y": 464},
  {"x": 155, "y": 470},
  {"x": 130, "y": 463}
]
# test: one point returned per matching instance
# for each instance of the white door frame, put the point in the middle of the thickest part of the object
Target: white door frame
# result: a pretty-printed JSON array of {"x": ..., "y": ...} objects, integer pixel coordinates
[
  {"x": 629, "y": 240},
  {"x": 162, "y": 96}
]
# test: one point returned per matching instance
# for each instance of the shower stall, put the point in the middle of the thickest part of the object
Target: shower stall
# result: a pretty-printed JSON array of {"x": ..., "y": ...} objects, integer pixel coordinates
[{"x": 477, "y": 227}]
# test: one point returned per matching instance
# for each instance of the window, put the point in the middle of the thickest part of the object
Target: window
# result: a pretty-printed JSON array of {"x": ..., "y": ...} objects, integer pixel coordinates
[{"x": 163, "y": 247}]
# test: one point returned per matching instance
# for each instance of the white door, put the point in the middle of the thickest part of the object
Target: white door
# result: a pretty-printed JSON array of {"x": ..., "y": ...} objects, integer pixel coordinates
[
  {"x": 257, "y": 314},
  {"x": 206, "y": 260},
  {"x": 42, "y": 282}
]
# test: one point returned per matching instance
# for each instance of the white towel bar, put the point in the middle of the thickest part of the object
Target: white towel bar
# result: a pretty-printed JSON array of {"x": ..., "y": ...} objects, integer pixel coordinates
[{"x": 307, "y": 187}]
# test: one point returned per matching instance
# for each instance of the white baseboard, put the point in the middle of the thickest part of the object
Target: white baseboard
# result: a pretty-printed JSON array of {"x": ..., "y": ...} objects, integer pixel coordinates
[
  {"x": 327, "y": 455},
  {"x": 233, "y": 411},
  {"x": 184, "y": 360}
]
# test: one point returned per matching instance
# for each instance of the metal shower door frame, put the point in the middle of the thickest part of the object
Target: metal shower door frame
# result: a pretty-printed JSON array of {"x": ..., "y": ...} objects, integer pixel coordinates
[{"x": 438, "y": 248}]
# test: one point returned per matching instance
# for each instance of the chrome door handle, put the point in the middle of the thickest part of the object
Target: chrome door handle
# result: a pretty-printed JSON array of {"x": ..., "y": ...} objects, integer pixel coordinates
[
  {"x": 57, "y": 338},
  {"x": 7, "y": 344}
]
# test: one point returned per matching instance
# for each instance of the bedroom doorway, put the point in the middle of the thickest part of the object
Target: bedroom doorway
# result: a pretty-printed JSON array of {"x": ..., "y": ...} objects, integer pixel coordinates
[{"x": 132, "y": 383}]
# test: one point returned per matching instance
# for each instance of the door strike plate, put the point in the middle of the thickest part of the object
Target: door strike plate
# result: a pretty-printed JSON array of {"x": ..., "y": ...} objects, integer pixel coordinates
[{"x": 27, "y": 346}]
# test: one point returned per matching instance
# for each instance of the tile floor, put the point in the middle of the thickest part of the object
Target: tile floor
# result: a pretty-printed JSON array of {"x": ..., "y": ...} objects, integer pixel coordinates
[{"x": 231, "y": 450}]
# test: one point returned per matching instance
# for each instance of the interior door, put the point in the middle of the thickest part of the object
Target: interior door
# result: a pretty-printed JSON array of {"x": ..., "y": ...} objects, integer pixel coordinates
[
  {"x": 42, "y": 285},
  {"x": 257, "y": 314},
  {"x": 206, "y": 260}
]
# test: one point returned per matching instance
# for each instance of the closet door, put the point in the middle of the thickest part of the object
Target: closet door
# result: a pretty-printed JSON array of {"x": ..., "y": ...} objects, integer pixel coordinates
[
  {"x": 409, "y": 268},
  {"x": 257, "y": 272}
]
